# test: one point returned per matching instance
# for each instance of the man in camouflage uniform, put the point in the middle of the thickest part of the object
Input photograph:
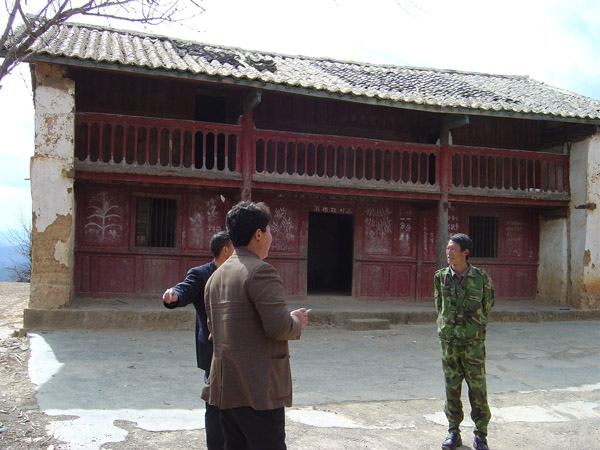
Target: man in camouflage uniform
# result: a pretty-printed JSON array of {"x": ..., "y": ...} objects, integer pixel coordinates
[{"x": 464, "y": 297}]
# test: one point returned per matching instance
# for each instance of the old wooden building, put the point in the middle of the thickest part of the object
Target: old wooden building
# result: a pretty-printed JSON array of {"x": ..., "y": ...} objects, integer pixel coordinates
[{"x": 143, "y": 143}]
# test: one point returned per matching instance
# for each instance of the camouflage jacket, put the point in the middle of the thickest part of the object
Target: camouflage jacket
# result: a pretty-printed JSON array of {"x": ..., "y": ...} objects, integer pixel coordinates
[{"x": 463, "y": 316}]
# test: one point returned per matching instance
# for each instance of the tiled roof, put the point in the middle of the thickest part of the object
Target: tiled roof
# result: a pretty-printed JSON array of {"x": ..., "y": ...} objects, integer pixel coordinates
[{"x": 418, "y": 88}]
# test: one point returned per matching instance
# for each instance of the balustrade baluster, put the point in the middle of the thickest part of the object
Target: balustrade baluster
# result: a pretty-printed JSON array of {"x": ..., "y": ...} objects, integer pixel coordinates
[
  {"x": 124, "y": 160},
  {"x": 426, "y": 168},
  {"x": 100, "y": 141},
  {"x": 225, "y": 151},
  {"x": 285, "y": 155},
  {"x": 88, "y": 143},
  {"x": 113, "y": 131},
  {"x": 193, "y": 149}
]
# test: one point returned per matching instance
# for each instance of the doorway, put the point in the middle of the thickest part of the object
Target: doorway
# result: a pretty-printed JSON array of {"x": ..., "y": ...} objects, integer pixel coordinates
[{"x": 330, "y": 254}]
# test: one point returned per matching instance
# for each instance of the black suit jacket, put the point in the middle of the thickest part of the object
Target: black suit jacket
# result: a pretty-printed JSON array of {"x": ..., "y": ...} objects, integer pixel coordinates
[{"x": 191, "y": 290}]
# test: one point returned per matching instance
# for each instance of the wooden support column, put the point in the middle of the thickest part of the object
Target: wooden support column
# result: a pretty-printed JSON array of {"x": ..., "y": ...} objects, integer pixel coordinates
[
  {"x": 247, "y": 155},
  {"x": 247, "y": 145},
  {"x": 584, "y": 216},
  {"x": 449, "y": 122},
  {"x": 442, "y": 216}
]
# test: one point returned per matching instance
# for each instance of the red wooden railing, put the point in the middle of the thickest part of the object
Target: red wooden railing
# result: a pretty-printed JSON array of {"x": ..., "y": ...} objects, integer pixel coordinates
[
  {"x": 157, "y": 143},
  {"x": 509, "y": 170},
  {"x": 280, "y": 155},
  {"x": 186, "y": 147}
]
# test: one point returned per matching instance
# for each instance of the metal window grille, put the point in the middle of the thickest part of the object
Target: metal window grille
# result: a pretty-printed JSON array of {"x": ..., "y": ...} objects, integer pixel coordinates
[
  {"x": 156, "y": 222},
  {"x": 484, "y": 234}
]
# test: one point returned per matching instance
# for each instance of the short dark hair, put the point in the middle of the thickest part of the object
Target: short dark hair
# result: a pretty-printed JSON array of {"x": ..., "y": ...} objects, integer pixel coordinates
[
  {"x": 244, "y": 219},
  {"x": 464, "y": 242},
  {"x": 218, "y": 241}
]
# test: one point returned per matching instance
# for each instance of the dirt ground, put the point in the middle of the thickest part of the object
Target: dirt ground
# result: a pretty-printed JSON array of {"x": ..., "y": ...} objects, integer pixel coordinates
[{"x": 22, "y": 426}]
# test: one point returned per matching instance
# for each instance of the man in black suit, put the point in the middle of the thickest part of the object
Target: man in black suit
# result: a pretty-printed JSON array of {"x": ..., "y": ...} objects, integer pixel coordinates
[{"x": 191, "y": 290}]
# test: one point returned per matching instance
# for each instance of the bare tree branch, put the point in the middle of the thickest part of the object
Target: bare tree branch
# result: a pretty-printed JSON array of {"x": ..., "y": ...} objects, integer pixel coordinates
[
  {"x": 24, "y": 25},
  {"x": 20, "y": 241}
]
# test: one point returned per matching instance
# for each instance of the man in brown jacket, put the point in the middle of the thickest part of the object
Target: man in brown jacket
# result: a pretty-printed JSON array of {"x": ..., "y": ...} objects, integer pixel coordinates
[{"x": 250, "y": 378}]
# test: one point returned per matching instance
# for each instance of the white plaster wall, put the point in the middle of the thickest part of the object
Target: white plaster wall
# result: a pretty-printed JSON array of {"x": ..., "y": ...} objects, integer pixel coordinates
[
  {"x": 52, "y": 189},
  {"x": 578, "y": 186},
  {"x": 553, "y": 272},
  {"x": 585, "y": 223},
  {"x": 52, "y": 163},
  {"x": 591, "y": 257}
]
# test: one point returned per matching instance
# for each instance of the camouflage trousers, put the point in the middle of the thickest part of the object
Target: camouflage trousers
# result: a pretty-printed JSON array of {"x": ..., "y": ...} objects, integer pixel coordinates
[{"x": 465, "y": 361}]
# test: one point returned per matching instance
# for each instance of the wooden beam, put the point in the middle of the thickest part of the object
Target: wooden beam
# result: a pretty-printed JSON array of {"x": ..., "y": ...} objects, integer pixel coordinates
[
  {"x": 252, "y": 101},
  {"x": 156, "y": 180},
  {"x": 452, "y": 121}
]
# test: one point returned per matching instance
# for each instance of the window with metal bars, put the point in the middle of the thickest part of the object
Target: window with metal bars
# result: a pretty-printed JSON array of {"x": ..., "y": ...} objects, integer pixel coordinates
[
  {"x": 156, "y": 222},
  {"x": 483, "y": 231}
]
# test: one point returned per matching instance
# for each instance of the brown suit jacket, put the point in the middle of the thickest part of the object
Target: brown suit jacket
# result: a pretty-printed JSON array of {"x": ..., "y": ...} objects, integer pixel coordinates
[{"x": 250, "y": 325}]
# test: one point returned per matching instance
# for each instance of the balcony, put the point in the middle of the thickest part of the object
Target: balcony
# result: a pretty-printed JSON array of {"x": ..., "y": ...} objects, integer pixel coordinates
[
  {"x": 509, "y": 173},
  {"x": 344, "y": 162},
  {"x": 126, "y": 144},
  {"x": 189, "y": 149}
]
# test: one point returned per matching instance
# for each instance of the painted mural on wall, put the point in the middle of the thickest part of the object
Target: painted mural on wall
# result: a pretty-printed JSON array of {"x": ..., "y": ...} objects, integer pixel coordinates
[
  {"x": 332, "y": 209},
  {"x": 453, "y": 222},
  {"x": 428, "y": 236},
  {"x": 103, "y": 220},
  {"x": 405, "y": 230},
  {"x": 283, "y": 229},
  {"x": 516, "y": 239},
  {"x": 206, "y": 218},
  {"x": 378, "y": 230}
]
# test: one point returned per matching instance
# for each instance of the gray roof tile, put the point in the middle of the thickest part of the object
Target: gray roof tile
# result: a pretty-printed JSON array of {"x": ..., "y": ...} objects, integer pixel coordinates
[{"x": 405, "y": 86}]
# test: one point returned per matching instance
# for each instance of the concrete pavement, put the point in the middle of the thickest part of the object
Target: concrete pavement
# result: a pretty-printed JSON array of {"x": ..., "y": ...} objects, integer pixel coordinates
[{"x": 352, "y": 389}]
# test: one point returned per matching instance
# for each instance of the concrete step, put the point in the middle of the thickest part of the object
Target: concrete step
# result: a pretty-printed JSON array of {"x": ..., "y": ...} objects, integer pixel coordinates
[
  {"x": 161, "y": 319},
  {"x": 109, "y": 319}
]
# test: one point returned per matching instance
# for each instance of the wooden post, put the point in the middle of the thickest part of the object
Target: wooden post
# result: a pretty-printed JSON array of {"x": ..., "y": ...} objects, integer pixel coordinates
[
  {"x": 450, "y": 122},
  {"x": 247, "y": 148},
  {"x": 442, "y": 216}
]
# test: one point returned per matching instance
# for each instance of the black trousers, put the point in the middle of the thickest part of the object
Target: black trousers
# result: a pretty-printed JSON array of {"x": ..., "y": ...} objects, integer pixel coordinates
[
  {"x": 214, "y": 432},
  {"x": 248, "y": 429}
]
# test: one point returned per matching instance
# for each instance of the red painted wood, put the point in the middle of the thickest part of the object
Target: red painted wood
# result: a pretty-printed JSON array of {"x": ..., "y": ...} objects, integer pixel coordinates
[
  {"x": 373, "y": 280},
  {"x": 394, "y": 244},
  {"x": 112, "y": 274},
  {"x": 297, "y": 174},
  {"x": 246, "y": 156},
  {"x": 509, "y": 201},
  {"x": 169, "y": 146},
  {"x": 343, "y": 191},
  {"x": 509, "y": 170},
  {"x": 158, "y": 274},
  {"x": 401, "y": 281},
  {"x": 426, "y": 281},
  {"x": 154, "y": 141},
  {"x": 289, "y": 271},
  {"x": 204, "y": 216},
  {"x": 82, "y": 174}
]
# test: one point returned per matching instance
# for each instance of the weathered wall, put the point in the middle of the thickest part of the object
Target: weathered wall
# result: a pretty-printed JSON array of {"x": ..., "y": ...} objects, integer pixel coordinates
[
  {"x": 553, "y": 271},
  {"x": 585, "y": 223},
  {"x": 52, "y": 188}
]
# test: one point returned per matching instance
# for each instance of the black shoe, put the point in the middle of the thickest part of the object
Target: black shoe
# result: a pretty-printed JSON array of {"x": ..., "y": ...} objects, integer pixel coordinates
[
  {"x": 480, "y": 443},
  {"x": 452, "y": 441}
]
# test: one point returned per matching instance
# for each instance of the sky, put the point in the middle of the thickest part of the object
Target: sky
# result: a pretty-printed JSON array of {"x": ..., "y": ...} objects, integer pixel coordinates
[{"x": 553, "y": 41}]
